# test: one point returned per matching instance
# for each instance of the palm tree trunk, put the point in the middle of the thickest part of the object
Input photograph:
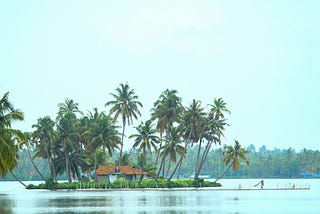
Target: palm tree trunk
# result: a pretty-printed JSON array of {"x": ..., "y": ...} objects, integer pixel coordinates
[
  {"x": 175, "y": 169},
  {"x": 224, "y": 172},
  {"x": 95, "y": 165},
  {"x": 34, "y": 164},
  {"x": 17, "y": 179},
  {"x": 51, "y": 165},
  {"x": 203, "y": 158},
  {"x": 197, "y": 161},
  {"x": 158, "y": 150},
  {"x": 168, "y": 169},
  {"x": 181, "y": 158},
  {"x": 161, "y": 165},
  {"x": 68, "y": 168},
  {"x": 121, "y": 146}
]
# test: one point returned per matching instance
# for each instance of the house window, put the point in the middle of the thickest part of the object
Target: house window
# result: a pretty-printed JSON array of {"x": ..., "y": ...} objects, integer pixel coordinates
[{"x": 117, "y": 170}]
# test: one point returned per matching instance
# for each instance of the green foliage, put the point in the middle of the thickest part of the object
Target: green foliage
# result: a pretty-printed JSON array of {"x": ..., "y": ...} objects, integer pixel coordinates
[
  {"x": 124, "y": 184},
  {"x": 50, "y": 184}
]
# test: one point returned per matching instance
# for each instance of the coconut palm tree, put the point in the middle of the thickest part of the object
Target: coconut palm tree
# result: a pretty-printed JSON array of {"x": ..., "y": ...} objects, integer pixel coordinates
[
  {"x": 231, "y": 157},
  {"x": 167, "y": 110},
  {"x": 171, "y": 150},
  {"x": 28, "y": 142},
  {"x": 218, "y": 108},
  {"x": 144, "y": 165},
  {"x": 9, "y": 137},
  {"x": 191, "y": 125},
  {"x": 102, "y": 134},
  {"x": 69, "y": 137},
  {"x": 212, "y": 131},
  {"x": 67, "y": 142},
  {"x": 145, "y": 140},
  {"x": 44, "y": 137},
  {"x": 125, "y": 105}
]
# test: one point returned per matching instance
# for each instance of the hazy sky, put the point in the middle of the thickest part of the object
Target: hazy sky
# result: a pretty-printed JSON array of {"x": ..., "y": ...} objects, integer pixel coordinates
[{"x": 261, "y": 57}]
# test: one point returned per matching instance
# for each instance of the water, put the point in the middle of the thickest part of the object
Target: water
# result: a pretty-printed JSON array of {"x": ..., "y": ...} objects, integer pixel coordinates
[{"x": 15, "y": 199}]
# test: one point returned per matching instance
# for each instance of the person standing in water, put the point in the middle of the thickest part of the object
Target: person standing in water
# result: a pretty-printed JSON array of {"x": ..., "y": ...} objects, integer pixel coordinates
[{"x": 262, "y": 184}]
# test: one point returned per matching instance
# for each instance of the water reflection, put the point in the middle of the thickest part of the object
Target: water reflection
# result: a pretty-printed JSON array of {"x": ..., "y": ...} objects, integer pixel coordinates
[
  {"x": 16, "y": 200},
  {"x": 6, "y": 204}
]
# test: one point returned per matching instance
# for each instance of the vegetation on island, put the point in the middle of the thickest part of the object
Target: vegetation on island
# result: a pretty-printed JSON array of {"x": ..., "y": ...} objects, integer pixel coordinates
[
  {"x": 125, "y": 184},
  {"x": 74, "y": 143}
]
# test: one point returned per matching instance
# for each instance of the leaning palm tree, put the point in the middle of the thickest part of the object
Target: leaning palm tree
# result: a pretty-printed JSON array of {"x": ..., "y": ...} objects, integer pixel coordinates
[
  {"x": 191, "y": 126},
  {"x": 144, "y": 165},
  {"x": 125, "y": 105},
  {"x": 28, "y": 142},
  {"x": 167, "y": 110},
  {"x": 44, "y": 137},
  {"x": 231, "y": 157},
  {"x": 212, "y": 131},
  {"x": 9, "y": 136},
  {"x": 145, "y": 140},
  {"x": 172, "y": 150}
]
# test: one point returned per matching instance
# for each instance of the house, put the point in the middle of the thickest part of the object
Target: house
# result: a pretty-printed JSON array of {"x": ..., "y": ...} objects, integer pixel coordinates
[{"x": 114, "y": 172}]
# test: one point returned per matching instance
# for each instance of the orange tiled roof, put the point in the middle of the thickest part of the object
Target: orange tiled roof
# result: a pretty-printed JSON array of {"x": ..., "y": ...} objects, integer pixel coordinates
[{"x": 127, "y": 170}]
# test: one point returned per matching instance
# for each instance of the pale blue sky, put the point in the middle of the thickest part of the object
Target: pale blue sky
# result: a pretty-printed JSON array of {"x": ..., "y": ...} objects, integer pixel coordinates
[{"x": 261, "y": 57}]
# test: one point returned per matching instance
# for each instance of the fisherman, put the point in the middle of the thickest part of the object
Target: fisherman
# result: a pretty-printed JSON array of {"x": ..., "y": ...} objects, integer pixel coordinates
[{"x": 262, "y": 184}]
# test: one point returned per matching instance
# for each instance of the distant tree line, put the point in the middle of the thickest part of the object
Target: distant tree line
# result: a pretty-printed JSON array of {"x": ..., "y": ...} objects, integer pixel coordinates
[{"x": 264, "y": 163}]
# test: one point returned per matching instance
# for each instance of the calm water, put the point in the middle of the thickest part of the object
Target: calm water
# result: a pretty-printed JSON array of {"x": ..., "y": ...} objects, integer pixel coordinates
[{"x": 15, "y": 199}]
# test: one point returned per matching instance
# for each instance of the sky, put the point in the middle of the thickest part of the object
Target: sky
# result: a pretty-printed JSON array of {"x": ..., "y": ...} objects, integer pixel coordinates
[{"x": 262, "y": 57}]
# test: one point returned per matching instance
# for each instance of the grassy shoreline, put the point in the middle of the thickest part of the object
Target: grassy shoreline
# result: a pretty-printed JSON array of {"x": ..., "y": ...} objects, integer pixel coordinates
[{"x": 121, "y": 184}]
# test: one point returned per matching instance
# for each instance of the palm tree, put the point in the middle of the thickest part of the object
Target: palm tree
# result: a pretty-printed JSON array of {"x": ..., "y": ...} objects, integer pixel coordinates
[
  {"x": 167, "y": 110},
  {"x": 171, "y": 150},
  {"x": 231, "y": 157},
  {"x": 212, "y": 131},
  {"x": 44, "y": 137},
  {"x": 145, "y": 140},
  {"x": 145, "y": 166},
  {"x": 28, "y": 142},
  {"x": 125, "y": 105},
  {"x": 9, "y": 136},
  {"x": 69, "y": 137},
  {"x": 102, "y": 134},
  {"x": 67, "y": 142},
  {"x": 193, "y": 120},
  {"x": 218, "y": 108}
]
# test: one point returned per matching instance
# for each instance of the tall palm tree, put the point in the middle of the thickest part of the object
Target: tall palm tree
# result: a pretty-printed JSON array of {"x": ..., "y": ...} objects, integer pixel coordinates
[
  {"x": 125, "y": 105},
  {"x": 212, "y": 131},
  {"x": 29, "y": 142},
  {"x": 9, "y": 136},
  {"x": 193, "y": 120},
  {"x": 67, "y": 142},
  {"x": 145, "y": 140},
  {"x": 44, "y": 137},
  {"x": 69, "y": 137},
  {"x": 218, "y": 108},
  {"x": 231, "y": 157},
  {"x": 171, "y": 150},
  {"x": 167, "y": 110},
  {"x": 102, "y": 134}
]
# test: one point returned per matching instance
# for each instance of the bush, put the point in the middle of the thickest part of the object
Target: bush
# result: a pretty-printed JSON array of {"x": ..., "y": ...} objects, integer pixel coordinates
[{"x": 50, "y": 184}]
